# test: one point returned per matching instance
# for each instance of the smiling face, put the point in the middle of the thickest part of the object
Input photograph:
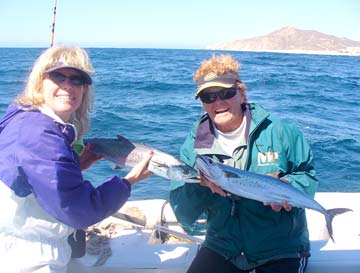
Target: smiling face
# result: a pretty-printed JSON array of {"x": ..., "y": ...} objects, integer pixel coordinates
[
  {"x": 64, "y": 98},
  {"x": 226, "y": 114}
]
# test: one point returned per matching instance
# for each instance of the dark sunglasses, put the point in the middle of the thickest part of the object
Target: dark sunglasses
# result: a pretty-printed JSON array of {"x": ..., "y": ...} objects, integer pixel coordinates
[
  {"x": 59, "y": 78},
  {"x": 223, "y": 94}
]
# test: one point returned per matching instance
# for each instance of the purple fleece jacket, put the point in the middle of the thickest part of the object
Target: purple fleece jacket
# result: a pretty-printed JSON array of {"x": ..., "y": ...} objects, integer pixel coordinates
[{"x": 36, "y": 158}]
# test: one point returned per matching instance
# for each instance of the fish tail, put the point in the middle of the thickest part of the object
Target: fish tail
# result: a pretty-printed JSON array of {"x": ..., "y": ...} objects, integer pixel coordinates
[{"x": 329, "y": 216}]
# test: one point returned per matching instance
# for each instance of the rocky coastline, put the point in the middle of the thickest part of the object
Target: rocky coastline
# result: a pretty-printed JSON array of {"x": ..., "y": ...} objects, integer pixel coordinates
[{"x": 292, "y": 40}]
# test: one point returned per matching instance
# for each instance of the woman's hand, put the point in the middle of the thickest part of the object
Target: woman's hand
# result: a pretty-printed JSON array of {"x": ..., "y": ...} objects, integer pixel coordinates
[
  {"x": 140, "y": 171},
  {"x": 213, "y": 187},
  {"x": 277, "y": 208},
  {"x": 88, "y": 158}
]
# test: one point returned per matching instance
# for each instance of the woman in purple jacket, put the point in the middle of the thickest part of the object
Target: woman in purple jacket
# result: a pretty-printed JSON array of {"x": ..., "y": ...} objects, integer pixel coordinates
[{"x": 43, "y": 194}]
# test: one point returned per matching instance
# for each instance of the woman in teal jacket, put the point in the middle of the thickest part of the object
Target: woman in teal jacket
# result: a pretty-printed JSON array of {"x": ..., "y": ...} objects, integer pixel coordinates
[{"x": 243, "y": 234}]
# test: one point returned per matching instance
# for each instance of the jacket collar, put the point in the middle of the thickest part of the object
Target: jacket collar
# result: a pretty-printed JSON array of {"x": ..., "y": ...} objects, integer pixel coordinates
[
  {"x": 46, "y": 110},
  {"x": 68, "y": 129},
  {"x": 205, "y": 134}
]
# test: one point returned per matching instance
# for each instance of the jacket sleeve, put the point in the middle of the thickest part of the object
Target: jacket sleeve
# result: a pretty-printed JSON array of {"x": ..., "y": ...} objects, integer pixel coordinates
[
  {"x": 301, "y": 172},
  {"x": 51, "y": 169},
  {"x": 189, "y": 200}
]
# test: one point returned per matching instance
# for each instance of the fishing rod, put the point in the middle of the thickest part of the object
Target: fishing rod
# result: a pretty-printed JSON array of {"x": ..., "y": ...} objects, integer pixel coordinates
[
  {"x": 53, "y": 25},
  {"x": 178, "y": 234}
]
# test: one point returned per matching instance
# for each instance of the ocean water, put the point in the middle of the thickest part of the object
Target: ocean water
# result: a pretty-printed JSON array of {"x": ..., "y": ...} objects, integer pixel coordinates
[{"x": 147, "y": 95}]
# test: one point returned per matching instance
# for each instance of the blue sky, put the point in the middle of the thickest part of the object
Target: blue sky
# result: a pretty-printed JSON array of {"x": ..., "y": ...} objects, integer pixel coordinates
[{"x": 168, "y": 23}]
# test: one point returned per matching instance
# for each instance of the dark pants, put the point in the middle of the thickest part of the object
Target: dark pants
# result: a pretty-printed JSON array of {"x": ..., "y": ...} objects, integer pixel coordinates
[{"x": 207, "y": 261}]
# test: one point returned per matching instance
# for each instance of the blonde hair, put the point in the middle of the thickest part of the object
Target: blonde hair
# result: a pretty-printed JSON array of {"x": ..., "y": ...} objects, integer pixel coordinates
[
  {"x": 32, "y": 97},
  {"x": 220, "y": 64}
]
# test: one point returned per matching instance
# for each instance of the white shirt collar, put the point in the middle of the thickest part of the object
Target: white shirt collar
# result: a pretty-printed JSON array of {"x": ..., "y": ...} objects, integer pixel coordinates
[{"x": 46, "y": 110}]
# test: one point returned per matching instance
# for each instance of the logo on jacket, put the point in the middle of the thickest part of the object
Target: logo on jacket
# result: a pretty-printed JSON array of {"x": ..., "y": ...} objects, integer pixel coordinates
[{"x": 268, "y": 158}]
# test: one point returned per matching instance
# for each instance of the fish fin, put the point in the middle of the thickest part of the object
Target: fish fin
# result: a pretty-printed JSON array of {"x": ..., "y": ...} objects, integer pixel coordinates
[
  {"x": 329, "y": 216},
  {"x": 117, "y": 168},
  {"x": 126, "y": 142},
  {"x": 230, "y": 174},
  {"x": 119, "y": 137}
]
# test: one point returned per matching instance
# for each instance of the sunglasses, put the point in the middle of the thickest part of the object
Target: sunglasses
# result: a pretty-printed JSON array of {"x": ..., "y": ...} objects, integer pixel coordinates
[
  {"x": 60, "y": 78},
  {"x": 223, "y": 94}
]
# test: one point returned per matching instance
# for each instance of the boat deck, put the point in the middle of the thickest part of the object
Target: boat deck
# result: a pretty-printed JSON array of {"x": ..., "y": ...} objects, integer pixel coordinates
[{"x": 136, "y": 250}]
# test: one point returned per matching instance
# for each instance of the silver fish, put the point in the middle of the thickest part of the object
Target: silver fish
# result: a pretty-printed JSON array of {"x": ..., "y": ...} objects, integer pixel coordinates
[
  {"x": 262, "y": 188},
  {"x": 126, "y": 154}
]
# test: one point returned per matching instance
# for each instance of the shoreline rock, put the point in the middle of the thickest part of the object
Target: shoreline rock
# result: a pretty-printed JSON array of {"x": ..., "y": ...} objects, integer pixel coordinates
[{"x": 292, "y": 40}]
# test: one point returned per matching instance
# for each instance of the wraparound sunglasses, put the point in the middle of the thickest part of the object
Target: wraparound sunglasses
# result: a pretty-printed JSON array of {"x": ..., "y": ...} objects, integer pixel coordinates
[
  {"x": 223, "y": 94},
  {"x": 60, "y": 78}
]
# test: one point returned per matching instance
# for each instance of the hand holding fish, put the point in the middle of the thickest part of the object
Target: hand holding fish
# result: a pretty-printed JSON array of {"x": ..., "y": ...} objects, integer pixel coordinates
[
  {"x": 213, "y": 187},
  {"x": 277, "y": 208},
  {"x": 140, "y": 171},
  {"x": 88, "y": 158}
]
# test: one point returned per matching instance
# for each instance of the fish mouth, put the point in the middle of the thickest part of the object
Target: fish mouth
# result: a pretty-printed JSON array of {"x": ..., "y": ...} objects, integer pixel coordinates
[{"x": 194, "y": 179}]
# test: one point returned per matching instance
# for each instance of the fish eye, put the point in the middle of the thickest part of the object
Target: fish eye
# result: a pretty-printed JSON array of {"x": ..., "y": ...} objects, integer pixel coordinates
[{"x": 186, "y": 172}]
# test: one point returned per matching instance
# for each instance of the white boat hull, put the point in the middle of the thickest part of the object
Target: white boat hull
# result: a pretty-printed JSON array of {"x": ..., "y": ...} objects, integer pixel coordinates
[{"x": 133, "y": 249}]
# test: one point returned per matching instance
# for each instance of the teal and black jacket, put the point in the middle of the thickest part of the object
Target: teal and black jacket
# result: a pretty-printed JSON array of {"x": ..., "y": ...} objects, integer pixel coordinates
[{"x": 243, "y": 230}]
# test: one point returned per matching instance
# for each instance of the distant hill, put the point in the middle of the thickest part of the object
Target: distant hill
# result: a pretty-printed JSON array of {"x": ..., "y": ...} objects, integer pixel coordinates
[{"x": 292, "y": 40}]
